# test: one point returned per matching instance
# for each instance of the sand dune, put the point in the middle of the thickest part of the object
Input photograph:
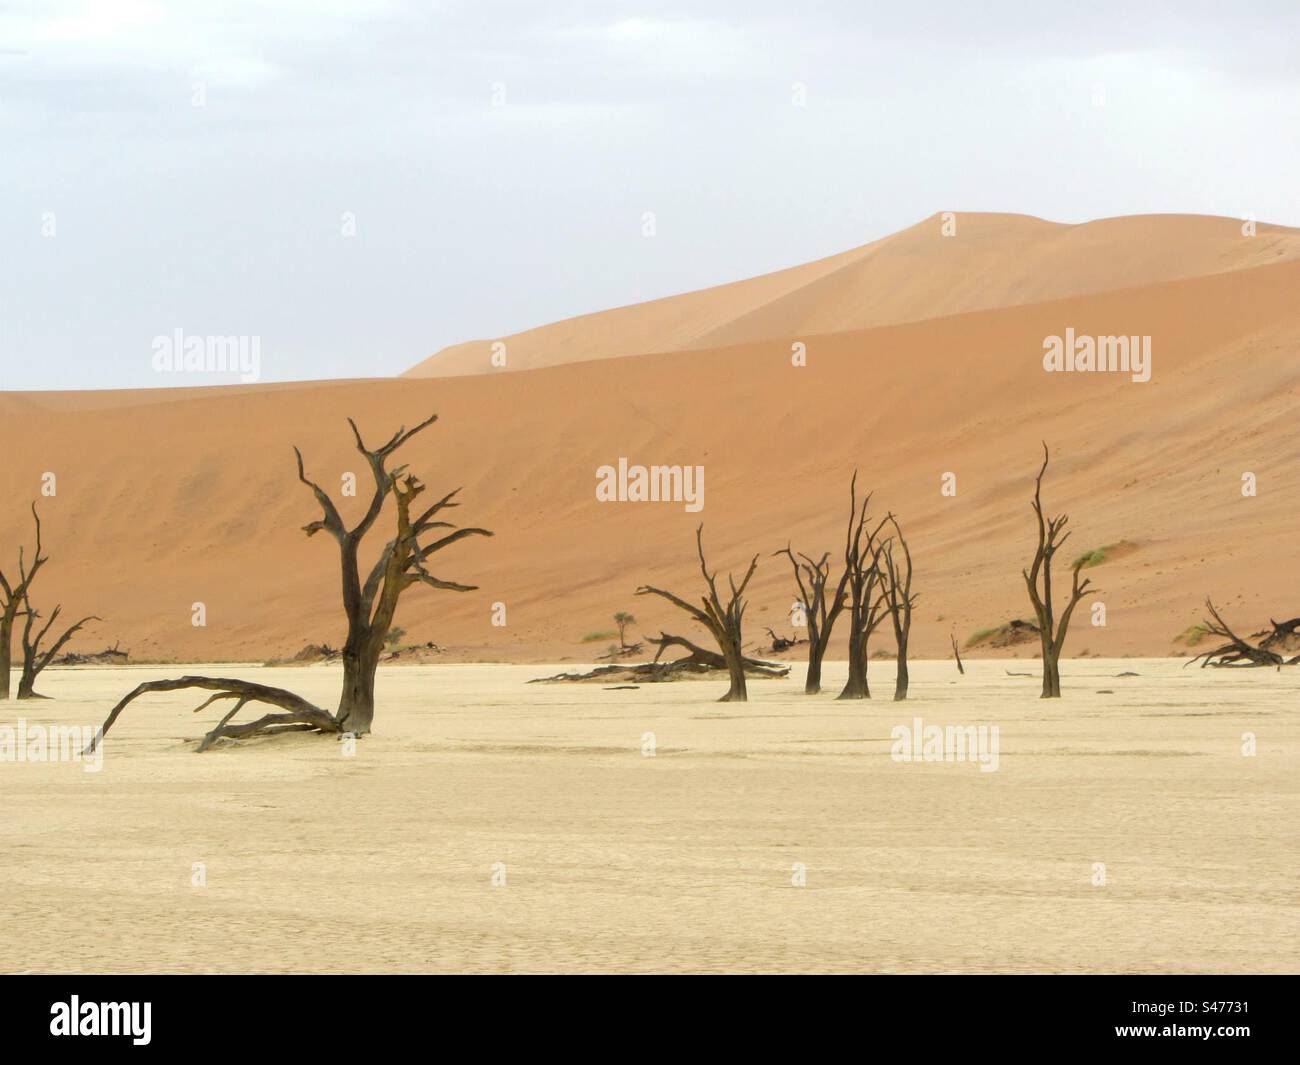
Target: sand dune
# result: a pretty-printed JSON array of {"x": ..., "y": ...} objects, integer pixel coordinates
[
  {"x": 169, "y": 498},
  {"x": 991, "y": 260}
]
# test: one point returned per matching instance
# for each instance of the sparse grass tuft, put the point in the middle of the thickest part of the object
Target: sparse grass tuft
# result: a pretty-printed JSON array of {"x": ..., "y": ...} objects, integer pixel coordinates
[
  {"x": 982, "y": 635},
  {"x": 1192, "y": 635}
]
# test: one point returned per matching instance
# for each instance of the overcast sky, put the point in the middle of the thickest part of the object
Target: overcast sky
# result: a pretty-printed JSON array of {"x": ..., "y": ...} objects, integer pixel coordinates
[{"x": 191, "y": 165}]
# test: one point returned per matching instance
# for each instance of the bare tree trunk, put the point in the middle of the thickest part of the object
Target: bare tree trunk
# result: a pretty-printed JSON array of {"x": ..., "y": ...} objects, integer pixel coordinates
[
  {"x": 6, "y": 650},
  {"x": 1052, "y": 676},
  {"x": 356, "y": 712},
  {"x": 816, "y": 656},
  {"x": 856, "y": 687},
  {"x": 900, "y": 682},
  {"x": 813, "y": 683},
  {"x": 1051, "y": 681},
  {"x": 12, "y": 605},
  {"x": 956, "y": 653},
  {"x": 27, "y": 686},
  {"x": 737, "y": 693}
]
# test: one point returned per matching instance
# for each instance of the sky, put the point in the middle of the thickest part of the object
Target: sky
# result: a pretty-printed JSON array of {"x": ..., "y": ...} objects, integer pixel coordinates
[{"x": 356, "y": 183}]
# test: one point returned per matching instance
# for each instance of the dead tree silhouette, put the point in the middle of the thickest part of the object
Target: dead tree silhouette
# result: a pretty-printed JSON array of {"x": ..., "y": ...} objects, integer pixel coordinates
[
  {"x": 369, "y": 603},
  {"x": 34, "y": 659},
  {"x": 722, "y": 620},
  {"x": 899, "y": 601},
  {"x": 820, "y": 610},
  {"x": 862, "y": 553},
  {"x": 15, "y": 596},
  {"x": 1038, "y": 581}
]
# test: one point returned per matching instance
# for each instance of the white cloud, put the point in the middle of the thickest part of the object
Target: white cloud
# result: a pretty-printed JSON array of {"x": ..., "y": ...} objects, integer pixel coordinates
[{"x": 475, "y": 220}]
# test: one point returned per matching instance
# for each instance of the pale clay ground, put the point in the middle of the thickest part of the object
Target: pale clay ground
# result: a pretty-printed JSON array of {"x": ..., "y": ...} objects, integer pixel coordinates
[{"x": 614, "y": 861}]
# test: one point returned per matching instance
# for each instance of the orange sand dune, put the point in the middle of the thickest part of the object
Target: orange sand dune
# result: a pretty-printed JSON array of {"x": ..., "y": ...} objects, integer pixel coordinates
[
  {"x": 991, "y": 260},
  {"x": 170, "y": 498}
]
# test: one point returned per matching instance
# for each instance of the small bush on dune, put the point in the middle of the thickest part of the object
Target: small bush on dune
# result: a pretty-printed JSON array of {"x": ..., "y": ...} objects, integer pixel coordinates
[
  {"x": 1105, "y": 553},
  {"x": 1015, "y": 631}
]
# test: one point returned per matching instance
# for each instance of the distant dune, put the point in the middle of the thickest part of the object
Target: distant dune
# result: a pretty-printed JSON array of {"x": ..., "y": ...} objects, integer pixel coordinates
[
  {"x": 924, "y": 356},
  {"x": 989, "y": 260}
]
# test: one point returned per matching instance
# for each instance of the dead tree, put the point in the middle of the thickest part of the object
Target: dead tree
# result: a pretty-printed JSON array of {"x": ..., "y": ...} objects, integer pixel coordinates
[
  {"x": 34, "y": 659},
  {"x": 722, "y": 621},
  {"x": 371, "y": 606},
  {"x": 1238, "y": 653},
  {"x": 1038, "y": 581},
  {"x": 956, "y": 652},
  {"x": 369, "y": 603},
  {"x": 862, "y": 553},
  {"x": 12, "y": 607},
  {"x": 820, "y": 610},
  {"x": 899, "y": 601}
]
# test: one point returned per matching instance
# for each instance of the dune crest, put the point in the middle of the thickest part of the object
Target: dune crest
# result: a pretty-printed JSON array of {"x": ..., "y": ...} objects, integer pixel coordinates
[{"x": 989, "y": 260}]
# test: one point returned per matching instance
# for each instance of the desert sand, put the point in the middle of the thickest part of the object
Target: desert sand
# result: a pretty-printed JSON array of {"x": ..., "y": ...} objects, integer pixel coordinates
[
  {"x": 683, "y": 862},
  {"x": 170, "y": 497}
]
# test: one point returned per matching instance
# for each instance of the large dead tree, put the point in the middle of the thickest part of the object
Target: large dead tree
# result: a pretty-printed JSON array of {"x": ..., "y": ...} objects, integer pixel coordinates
[
  {"x": 899, "y": 601},
  {"x": 35, "y": 659},
  {"x": 820, "y": 609},
  {"x": 369, "y": 602},
  {"x": 862, "y": 553},
  {"x": 1238, "y": 653},
  {"x": 723, "y": 620},
  {"x": 11, "y": 608},
  {"x": 370, "y": 606},
  {"x": 1038, "y": 581}
]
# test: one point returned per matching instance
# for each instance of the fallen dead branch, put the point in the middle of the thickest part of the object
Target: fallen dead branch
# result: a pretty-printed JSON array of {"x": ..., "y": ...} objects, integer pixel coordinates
[
  {"x": 108, "y": 656},
  {"x": 1238, "y": 653},
  {"x": 298, "y": 714},
  {"x": 699, "y": 661}
]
